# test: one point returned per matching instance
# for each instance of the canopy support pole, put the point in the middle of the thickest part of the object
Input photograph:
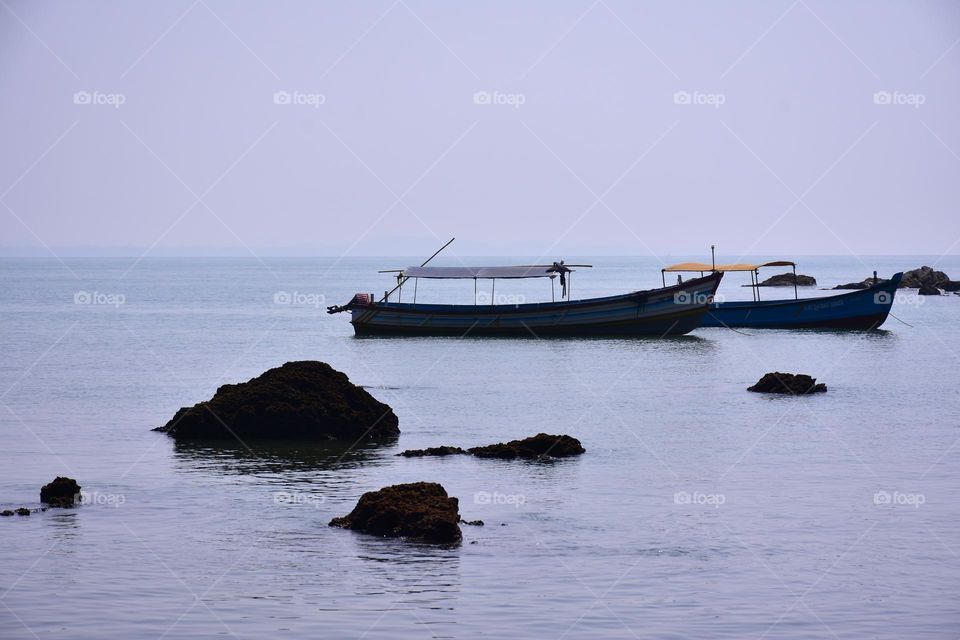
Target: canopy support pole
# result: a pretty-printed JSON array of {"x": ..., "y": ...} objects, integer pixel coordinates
[
  {"x": 756, "y": 278},
  {"x": 553, "y": 295},
  {"x": 387, "y": 294},
  {"x": 493, "y": 291},
  {"x": 795, "y": 296},
  {"x": 474, "y": 292},
  {"x": 663, "y": 278},
  {"x": 415, "y": 281}
]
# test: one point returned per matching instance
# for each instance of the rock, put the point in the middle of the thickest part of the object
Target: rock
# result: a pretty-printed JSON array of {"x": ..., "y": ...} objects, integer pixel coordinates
[
  {"x": 786, "y": 280},
  {"x": 798, "y": 384},
  {"x": 6, "y": 512},
  {"x": 928, "y": 290},
  {"x": 432, "y": 451},
  {"x": 923, "y": 276},
  {"x": 950, "y": 285},
  {"x": 857, "y": 285},
  {"x": 300, "y": 400},
  {"x": 417, "y": 511},
  {"x": 62, "y": 492},
  {"x": 472, "y": 523},
  {"x": 539, "y": 446},
  {"x": 23, "y": 511}
]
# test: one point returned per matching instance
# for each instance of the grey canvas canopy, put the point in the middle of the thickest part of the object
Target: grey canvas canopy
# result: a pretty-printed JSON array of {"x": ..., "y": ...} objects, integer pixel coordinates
[{"x": 461, "y": 273}]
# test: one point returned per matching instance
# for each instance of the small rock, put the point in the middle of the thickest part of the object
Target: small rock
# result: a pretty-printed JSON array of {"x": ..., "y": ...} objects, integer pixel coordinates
[
  {"x": 798, "y": 384},
  {"x": 541, "y": 445},
  {"x": 950, "y": 285},
  {"x": 62, "y": 492},
  {"x": 786, "y": 280},
  {"x": 432, "y": 451},
  {"x": 6, "y": 512},
  {"x": 928, "y": 290},
  {"x": 23, "y": 511},
  {"x": 417, "y": 511},
  {"x": 472, "y": 523}
]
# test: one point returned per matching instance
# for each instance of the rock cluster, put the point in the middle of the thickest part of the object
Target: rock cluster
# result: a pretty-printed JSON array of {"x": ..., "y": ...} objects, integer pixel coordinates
[
  {"x": 300, "y": 400},
  {"x": 799, "y": 384},
  {"x": 417, "y": 511},
  {"x": 925, "y": 278},
  {"x": 540, "y": 446}
]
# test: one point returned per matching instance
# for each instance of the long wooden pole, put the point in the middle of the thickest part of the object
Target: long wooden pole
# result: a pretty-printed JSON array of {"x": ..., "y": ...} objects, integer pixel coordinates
[{"x": 400, "y": 284}]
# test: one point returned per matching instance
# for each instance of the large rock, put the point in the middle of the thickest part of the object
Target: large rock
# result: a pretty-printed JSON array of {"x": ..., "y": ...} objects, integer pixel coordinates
[
  {"x": 541, "y": 445},
  {"x": 62, "y": 492},
  {"x": 798, "y": 384},
  {"x": 928, "y": 290},
  {"x": 300, "y": 400},
  {"x": 417, "y": 511},
  {"x": 913, "y": 279},
  {"x": 786, "y": 280}
]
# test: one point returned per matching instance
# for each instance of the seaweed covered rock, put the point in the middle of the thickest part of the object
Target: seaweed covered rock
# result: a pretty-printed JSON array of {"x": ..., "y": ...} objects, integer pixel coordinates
[
  {"x": 799, "y": 384},
  {"x": 787, "y": 280},
  {"x": 432, "y": 451},
  {"x": 300, "y": 400},
  {"x": 62, "y": 492},
  {"x": 417, "y": 511},
  {"x": 541, "y": 445}
]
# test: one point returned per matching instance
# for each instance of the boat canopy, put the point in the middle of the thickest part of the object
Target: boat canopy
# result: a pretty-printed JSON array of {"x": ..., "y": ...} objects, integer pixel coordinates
[
  {"x": 474, "y": 273},
  {"x": 704, "y": 267}
]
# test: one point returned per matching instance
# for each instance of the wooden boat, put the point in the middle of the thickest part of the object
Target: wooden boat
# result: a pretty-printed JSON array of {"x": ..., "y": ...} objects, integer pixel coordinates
[
  {"x": 863, "y": 309},
  {"x": 671, "y": 310}
]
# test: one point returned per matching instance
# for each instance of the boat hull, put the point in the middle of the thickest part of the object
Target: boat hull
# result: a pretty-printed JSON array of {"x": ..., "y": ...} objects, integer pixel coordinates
[
  {"x": 863, "y": 309},
  {"x": 673, "y": 310}
]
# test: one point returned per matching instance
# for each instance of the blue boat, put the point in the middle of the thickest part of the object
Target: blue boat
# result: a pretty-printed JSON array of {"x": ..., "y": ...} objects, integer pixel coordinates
[
  {"x": 673, "y": 310},
  {"x": 863, "y": 309}
]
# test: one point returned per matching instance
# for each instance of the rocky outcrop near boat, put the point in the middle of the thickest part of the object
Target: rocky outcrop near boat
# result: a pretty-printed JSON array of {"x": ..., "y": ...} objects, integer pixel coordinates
[
  {"x": 306, "y": 400},
  {"x": 787, "y": 280},
  {"x": 928, "y": 290},
  {"x": 419, "y": 511},
  {"x": 440, "y": 451},
  {"x": 789, "y": 383},
  {"x": 923, "y": 278},
  {"x": 62, "y": 492}
]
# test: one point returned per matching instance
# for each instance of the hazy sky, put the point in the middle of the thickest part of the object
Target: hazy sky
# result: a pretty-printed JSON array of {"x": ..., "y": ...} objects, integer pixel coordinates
[{"x": 606, "y": 126}]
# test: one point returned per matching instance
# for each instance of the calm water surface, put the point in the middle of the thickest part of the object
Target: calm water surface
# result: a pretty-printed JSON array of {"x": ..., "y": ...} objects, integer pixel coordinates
[{"x": 699, "y": 510}]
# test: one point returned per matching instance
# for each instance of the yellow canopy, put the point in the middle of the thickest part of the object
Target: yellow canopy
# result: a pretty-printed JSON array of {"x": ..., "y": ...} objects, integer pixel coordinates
[{"x": 704, "y": 267}]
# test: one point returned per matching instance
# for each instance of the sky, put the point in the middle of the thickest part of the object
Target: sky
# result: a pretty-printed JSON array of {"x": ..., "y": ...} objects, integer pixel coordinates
[{"x": 206, "y": 127}]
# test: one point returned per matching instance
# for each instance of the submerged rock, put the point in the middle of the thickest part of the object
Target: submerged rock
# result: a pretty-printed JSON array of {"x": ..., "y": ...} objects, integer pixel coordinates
[
  {"x": 950, "y": 285},
  {"x": 300, "y": 400},
  {"x": 472, "y": 523},
  {"x": 539, "y": 446},
  {"x": 6, "y": 512},
  {"x": 432, "y": 451},
  {"x": 928, "y": 290},
  {"x": 23, "y": 511},
  {"x": 798, "y": 384},
  {"x": 62, "y": 492},
  {"x": 786, "y": 280},
  {"x": 418, "y": 511}
]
